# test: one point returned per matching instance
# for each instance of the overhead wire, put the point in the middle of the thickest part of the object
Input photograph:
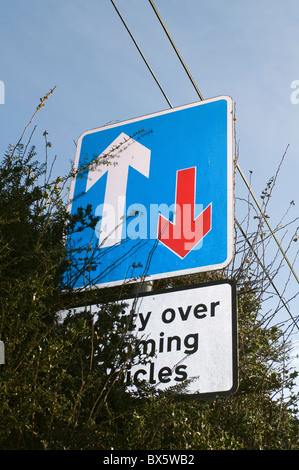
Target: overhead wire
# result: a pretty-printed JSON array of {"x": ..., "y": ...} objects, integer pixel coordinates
[
  {"x": 176, "y": 50},
  {"x": 236, "y": 163},
  {"x": 239, "y": 170},
  {"x": 140, "y": 52},
  {"x": 266, "y": 273},
  {"x": 267, "y": 222}
]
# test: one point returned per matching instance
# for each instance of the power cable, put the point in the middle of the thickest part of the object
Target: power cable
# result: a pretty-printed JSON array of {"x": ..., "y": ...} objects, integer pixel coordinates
[
  {"x": 139, "y": 50},
  {"x": 176, "y": 50},
  {"x": 266, "y": 220},
  {"x": 237, "y": 165},
  {"x": 240, "y": 172},
  {"x": 266, "y": 273}
]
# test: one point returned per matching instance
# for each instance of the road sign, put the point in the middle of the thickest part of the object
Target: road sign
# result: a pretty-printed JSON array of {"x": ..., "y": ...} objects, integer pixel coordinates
[
  {"x": 162, "y": 188},
  {"x": 187, "y": 334}
]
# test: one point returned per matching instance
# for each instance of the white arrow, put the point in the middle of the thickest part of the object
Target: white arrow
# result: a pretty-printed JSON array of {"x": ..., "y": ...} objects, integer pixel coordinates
[{"x": 123, "y": 152}]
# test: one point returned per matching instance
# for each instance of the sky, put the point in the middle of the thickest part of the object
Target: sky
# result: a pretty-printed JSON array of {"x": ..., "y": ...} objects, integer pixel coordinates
[{"x": 247, "y": 50}]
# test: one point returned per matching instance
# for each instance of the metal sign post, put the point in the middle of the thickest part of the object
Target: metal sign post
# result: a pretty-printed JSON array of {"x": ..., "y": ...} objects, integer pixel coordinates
[{"x": 2, "y": 353}]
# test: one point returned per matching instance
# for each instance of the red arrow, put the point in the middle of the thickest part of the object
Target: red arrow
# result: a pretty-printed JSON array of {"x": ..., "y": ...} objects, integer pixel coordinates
[{"x": 185, "y": 233}]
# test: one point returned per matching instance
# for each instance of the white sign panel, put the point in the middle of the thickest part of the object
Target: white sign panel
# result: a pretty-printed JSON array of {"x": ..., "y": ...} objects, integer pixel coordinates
[{"x": 187, "y": 334}]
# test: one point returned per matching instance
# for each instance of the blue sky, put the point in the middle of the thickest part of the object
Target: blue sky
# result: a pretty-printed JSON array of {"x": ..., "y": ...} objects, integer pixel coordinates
[{"x": 247, "y": 50}]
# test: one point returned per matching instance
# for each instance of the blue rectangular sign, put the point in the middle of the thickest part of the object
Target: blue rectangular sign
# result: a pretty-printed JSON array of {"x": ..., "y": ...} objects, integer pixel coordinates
[{"x": 162, "y": 188}]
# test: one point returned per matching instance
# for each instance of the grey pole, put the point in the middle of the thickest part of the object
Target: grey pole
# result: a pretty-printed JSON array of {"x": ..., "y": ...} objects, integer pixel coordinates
[{"x": 2, "y": 353}]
